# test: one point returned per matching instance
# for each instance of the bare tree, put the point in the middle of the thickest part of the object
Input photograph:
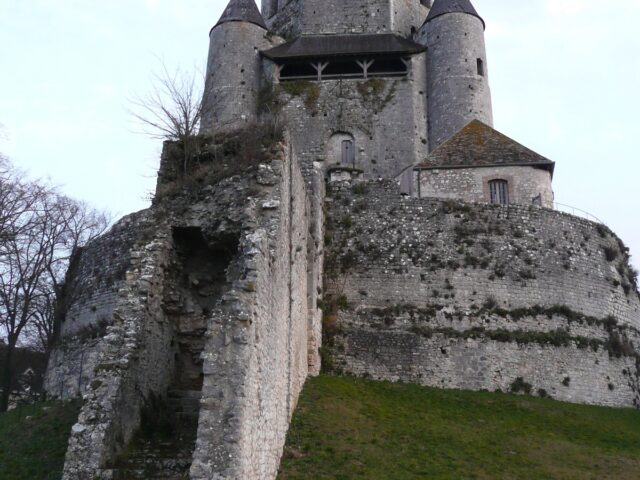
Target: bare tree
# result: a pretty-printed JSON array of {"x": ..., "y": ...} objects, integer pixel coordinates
[
  {"x": 39, "y": 230},
  {"x": 173, "y": 109}
]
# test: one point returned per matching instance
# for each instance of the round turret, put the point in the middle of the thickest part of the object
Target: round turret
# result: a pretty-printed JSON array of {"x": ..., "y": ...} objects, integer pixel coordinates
[
  {"x": 456, "y": 69},
  {"x": 233, "y": 67}
]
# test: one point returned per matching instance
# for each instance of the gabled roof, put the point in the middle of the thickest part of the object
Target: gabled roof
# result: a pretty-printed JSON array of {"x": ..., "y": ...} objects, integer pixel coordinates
[
  {"x": 442, "y": 7},
  {"x": 479, "y": 145},
  {"x": 242, "y": 11},
  {"x": 308, "y": 46}
]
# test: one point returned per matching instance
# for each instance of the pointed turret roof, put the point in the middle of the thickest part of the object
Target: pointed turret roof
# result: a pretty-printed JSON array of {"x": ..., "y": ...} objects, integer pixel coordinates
[
  {"x": 479, "y": 145},
  {"x": 442, "y": 7},
  {"x": 242, "y": 11}
]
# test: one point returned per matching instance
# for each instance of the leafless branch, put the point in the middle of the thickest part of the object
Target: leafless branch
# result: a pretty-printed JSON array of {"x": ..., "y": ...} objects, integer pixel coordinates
[
  {"x": 173, "y": 109},
  {"x": 39, "y": 230}
]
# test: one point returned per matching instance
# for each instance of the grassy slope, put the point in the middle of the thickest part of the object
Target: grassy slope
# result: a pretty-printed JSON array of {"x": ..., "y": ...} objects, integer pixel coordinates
[
  {"x": 346, "y": 428},
  {"x": 33, "y": 448}
]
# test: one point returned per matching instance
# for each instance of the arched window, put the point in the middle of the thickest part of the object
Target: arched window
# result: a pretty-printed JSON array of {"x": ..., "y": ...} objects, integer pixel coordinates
[
  {"x": 480, "y": 67},
  {"x": 499, "y": 191}
]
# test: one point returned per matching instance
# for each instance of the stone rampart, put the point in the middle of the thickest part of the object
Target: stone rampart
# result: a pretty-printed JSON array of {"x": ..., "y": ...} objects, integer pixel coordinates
[{"x": 460, "y": 295}]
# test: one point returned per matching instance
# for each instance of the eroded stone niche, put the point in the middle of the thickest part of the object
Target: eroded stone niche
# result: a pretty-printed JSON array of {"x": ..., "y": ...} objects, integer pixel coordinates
[{"x": 198, "y": 272}]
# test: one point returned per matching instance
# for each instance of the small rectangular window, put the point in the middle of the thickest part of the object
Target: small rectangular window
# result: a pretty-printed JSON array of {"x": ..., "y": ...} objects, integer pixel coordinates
[
  {"x": 480, "y": 67},
  {"x": 499, "y": 191},
  {"x": 348, "y": 153}
]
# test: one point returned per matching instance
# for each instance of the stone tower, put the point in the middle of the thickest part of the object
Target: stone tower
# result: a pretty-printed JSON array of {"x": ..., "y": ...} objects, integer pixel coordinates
[
  {"x": 457, "y": 75},
  {"x": 291, "y": 18},
  {"x": 234, "y": 67}
]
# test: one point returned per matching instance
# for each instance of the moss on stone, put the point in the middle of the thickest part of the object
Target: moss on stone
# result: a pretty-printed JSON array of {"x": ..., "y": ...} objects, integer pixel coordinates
[{"x": 309, "y": 91}]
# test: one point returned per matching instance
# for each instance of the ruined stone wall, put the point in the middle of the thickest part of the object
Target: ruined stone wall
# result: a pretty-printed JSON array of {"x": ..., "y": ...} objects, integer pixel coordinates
[
  {"x": 262, "y": 337},
  {"x": 346, "y": 17},
  {"x": 385, "y": 117},
  {"x": 257, "y": 356},
  {"x": 458, "y": 295},
  {"x": 95, "y": 292},
  {"x": 133, "y": 360},
  {"x": 472, "y": 184},
  {"x": 92, "y": 298}
]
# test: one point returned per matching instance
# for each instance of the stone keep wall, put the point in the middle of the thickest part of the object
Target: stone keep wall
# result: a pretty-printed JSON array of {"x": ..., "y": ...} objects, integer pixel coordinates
[
  {"x": 286, "y": 23},
  {"x": 457, "y": 295},
  {"x": 408, "y": 16},
  {"x": 385, "y": 117},
  {"x": 261, "y": 340},
  {"x": 472, "y": 184},
  {"x": 346, "y": 17}
]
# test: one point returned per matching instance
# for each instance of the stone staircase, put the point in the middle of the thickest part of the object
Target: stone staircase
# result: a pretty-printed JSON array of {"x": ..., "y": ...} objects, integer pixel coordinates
[
  {"x": 164, "y": 446},
  {"x": 163, "y": 454}
]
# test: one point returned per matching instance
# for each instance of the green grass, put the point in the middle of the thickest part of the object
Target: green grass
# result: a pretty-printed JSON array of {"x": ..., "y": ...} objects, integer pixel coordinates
[
  {"x": 33, "y": 440},
  {"x": 347, "y": 428}
]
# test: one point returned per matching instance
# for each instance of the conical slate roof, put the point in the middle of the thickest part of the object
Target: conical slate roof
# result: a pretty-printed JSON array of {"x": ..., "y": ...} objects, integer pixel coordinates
[
  {"x": 479, "y": 145},
  {"x": 442, "y": 7},
  {"x": 242, "y": 11}
]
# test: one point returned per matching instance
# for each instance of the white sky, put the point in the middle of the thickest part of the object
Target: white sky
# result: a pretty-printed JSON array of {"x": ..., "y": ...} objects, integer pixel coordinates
[{"x": 564, "y": 75}]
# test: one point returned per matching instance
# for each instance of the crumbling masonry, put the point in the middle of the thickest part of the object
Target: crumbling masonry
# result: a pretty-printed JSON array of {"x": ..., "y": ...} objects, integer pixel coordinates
[{"x": 348, "y": 202}]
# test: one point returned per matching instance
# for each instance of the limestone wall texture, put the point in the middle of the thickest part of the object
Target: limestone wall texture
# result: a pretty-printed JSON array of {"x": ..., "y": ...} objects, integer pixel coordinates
[
  {"x": 256, "y": 357},
  {"x": 458, "y": 295},
  {"x": 233, "y": 75},
  {"x": 321, "y": 17},
  {"x": 527, "y": 185},
  {"x": 385, "y": 118},
  {"x": 457, "y": 92},
  {"x": 96, "y": 293},
  {"x": 262, "y": 336},
  {"x": 130, "y": 361}
]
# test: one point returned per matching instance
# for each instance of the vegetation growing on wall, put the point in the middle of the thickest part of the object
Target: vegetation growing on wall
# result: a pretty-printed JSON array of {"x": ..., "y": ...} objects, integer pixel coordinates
[
  {"x": 374, "y": 93},
  {"x": 268, "y": 100},
  {"x": 308, "y": 91},
  {"x": 221, "y": 156},
  {"x": 617, "y": 344}
]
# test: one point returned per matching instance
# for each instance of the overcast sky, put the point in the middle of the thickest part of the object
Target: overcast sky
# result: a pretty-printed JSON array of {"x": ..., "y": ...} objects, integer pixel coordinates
[{"x": 564, "y": 76}]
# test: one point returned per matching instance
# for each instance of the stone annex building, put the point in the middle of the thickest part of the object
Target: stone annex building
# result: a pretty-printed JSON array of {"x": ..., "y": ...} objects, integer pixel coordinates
[{"x": 349, "y": 203}]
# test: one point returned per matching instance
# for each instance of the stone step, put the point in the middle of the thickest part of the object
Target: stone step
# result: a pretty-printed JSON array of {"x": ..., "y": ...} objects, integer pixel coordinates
[
  {"x": 188, "y": 420},
  {"x": 148, "y": 464},
  {"x": 127, "y": 474},
  {"x": 192, "y": 340},
  {"x": 175, "y": 393},
  {"x": 185, "y": 405}
]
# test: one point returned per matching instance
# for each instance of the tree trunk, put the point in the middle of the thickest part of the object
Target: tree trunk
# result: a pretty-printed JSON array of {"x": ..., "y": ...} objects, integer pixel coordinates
[{"x": 7, "y": 377}]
